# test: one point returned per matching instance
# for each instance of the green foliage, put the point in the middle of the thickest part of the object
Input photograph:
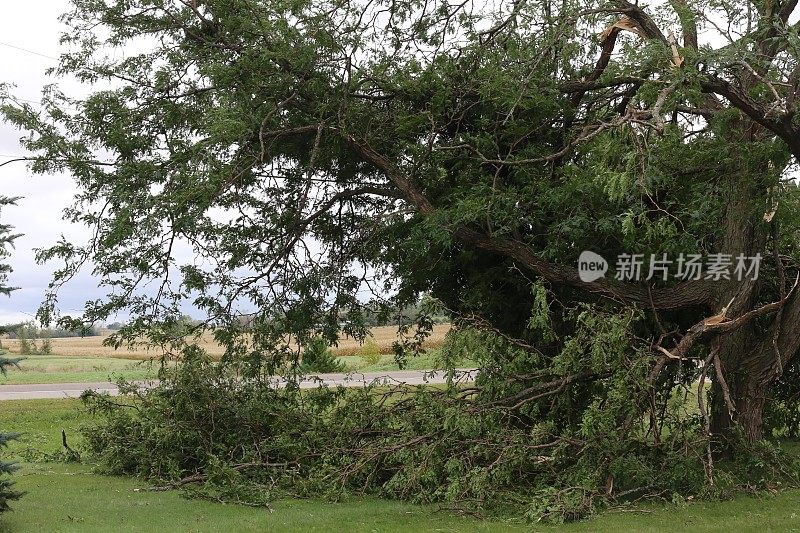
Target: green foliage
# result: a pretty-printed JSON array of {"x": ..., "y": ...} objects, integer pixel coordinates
[
  {"x": 539, "y": 321},
  {"x": 513, "y": 446},
  {"x": 289, "y": 167},
  {"x": 335, "y": 163},
  {"x": 44, "y": 333},
  {"x": 318, "y": 357},
  {"x": 25, "y": 347},
  {"x": 7, "y": 493},
  {"x": 381, "y": 315},
  {"x": 370, "y": 352},
  {"x": 32, "y": 340},
  {"x": 782, "y": 417}
]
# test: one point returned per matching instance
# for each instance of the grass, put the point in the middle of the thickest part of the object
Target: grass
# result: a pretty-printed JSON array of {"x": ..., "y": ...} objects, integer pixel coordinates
[
  {"x": 427, "y": 361},
  {"x": 71, "y": 497},
  {"x": 66, "y": 369},
  {"x": 92, "y": 368},
  {"x": 41, "y": 422}
]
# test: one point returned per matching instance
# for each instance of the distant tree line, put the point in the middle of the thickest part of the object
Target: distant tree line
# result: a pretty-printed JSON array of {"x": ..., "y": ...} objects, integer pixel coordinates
[
  {"x": 31, "y": 331},
  {"x": 376, "y": 315},
  {"x": 411, "y": 314}
]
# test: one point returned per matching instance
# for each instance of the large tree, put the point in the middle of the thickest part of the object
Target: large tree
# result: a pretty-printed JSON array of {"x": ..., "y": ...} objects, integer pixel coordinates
[{"x": 311, "y": 154}]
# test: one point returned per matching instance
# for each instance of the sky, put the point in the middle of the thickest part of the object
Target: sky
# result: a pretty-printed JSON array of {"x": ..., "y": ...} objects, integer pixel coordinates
[{"x": 34, "y": 26}]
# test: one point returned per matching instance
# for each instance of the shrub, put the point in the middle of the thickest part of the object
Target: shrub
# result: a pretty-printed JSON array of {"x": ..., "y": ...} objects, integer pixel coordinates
[
  {"x": 27, "y": 334},
  {"x": 317, "y": 357},
  {"x": 46, "y": 347},
  {"x": 370, "y": 352},
  {"x": 27, "y": 346},
  {"x": 7, "y": 493}
]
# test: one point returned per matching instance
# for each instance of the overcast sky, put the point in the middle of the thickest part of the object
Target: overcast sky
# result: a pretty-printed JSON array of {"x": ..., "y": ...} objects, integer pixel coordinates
[{"x": 34, "y": 26}]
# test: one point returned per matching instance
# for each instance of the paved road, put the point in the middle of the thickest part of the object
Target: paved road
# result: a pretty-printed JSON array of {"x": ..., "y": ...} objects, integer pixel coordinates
[{"x": 407, "y": 377}]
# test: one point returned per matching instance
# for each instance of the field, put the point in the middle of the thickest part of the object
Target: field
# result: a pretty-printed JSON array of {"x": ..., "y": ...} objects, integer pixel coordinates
[
  {"x": 383, "y": 337},
  {"x": 73, "y": 497},
  {"x": 85, "y": 360}
]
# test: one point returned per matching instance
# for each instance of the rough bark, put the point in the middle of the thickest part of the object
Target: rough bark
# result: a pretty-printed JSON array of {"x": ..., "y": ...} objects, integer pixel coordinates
[{"x": 739, "y": 351}]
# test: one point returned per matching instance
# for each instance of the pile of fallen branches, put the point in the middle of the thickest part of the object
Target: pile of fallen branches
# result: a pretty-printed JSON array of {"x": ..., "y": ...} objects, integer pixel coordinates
[{"x": 559, "y": 442}]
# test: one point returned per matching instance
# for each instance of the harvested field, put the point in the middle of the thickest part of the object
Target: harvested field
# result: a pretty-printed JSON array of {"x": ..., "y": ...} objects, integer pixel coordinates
[{"x": 383, "y": 337}]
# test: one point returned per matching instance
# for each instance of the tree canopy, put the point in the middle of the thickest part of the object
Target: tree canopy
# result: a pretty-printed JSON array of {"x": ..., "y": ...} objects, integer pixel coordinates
[{"x": 319, "y": 159}]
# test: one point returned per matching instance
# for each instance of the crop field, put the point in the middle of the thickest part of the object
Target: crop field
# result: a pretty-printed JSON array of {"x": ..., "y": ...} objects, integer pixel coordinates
[
  {"x": 382, "y": 336},
  {"x": 85, "y": 360}
]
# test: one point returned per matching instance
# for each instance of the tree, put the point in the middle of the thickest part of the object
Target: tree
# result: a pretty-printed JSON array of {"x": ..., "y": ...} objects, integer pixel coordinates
[
  {"x": 7, "y": 494},
  {"x": 315, "y": 152}
]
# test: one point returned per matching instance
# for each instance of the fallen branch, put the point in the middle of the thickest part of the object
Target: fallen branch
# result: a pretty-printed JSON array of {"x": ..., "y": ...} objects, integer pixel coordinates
[
  {"x": 200, "y": 478},
  {"x": 701, "y": 404},
  {"x": 726, "y": 392}
]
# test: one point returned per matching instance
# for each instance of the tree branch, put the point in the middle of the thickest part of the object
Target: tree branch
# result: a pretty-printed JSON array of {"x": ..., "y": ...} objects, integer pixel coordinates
[
  {"x": 755, "y": 111},
  {"x": 688, "y": 23}
]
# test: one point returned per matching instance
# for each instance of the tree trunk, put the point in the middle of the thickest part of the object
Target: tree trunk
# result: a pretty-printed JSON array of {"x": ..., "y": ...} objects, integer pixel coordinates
[
  {"x": 751, "y": 366},
  {"x": 748, "y": 392},
  {"x": 744, "y": 232}
]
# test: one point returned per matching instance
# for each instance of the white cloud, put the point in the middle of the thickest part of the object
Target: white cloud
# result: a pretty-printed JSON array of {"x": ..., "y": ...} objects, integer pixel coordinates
[{"x": 35, "y": 27}]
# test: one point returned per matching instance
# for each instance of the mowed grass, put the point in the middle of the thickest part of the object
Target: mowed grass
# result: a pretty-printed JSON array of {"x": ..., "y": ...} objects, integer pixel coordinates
[
  {"x": 67, "y": 369},
  {"x": 383, "y": 337},
  {"x": 72, "y": 497}
]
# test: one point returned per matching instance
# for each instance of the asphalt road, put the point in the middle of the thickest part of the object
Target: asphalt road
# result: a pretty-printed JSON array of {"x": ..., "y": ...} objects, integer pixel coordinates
[{"x": 356, "y": 379}]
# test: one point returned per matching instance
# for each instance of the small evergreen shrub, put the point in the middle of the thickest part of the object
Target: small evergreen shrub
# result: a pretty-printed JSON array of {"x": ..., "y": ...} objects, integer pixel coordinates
[
  {"x": 317, "y": 357},
  {"x": 7, "y": 493}
]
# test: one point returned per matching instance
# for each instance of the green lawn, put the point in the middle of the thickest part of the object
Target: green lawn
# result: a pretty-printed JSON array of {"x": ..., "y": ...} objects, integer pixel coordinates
[
  {"x": 67, "y": 369},
  {"x": 71, "y": 497},
  {"x": 427, "y": 361}
]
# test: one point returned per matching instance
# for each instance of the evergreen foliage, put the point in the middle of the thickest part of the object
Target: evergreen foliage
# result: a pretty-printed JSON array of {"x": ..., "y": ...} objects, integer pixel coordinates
[
  {"x": 7, "y": 493},
  {"x": 317, "y": 357}
]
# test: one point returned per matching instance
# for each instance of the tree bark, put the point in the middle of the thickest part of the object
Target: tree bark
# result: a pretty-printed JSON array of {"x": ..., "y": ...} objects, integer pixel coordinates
[
  {"x": 748, "y": 390},
  {"x": 744, "y": 232}
]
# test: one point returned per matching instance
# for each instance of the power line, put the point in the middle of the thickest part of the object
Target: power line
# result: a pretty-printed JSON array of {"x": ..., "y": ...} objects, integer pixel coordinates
[
  {"x": 37, "y": 102},
  {"x": 40, "y": 103},
  {"x": 28, "y": 51}
]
